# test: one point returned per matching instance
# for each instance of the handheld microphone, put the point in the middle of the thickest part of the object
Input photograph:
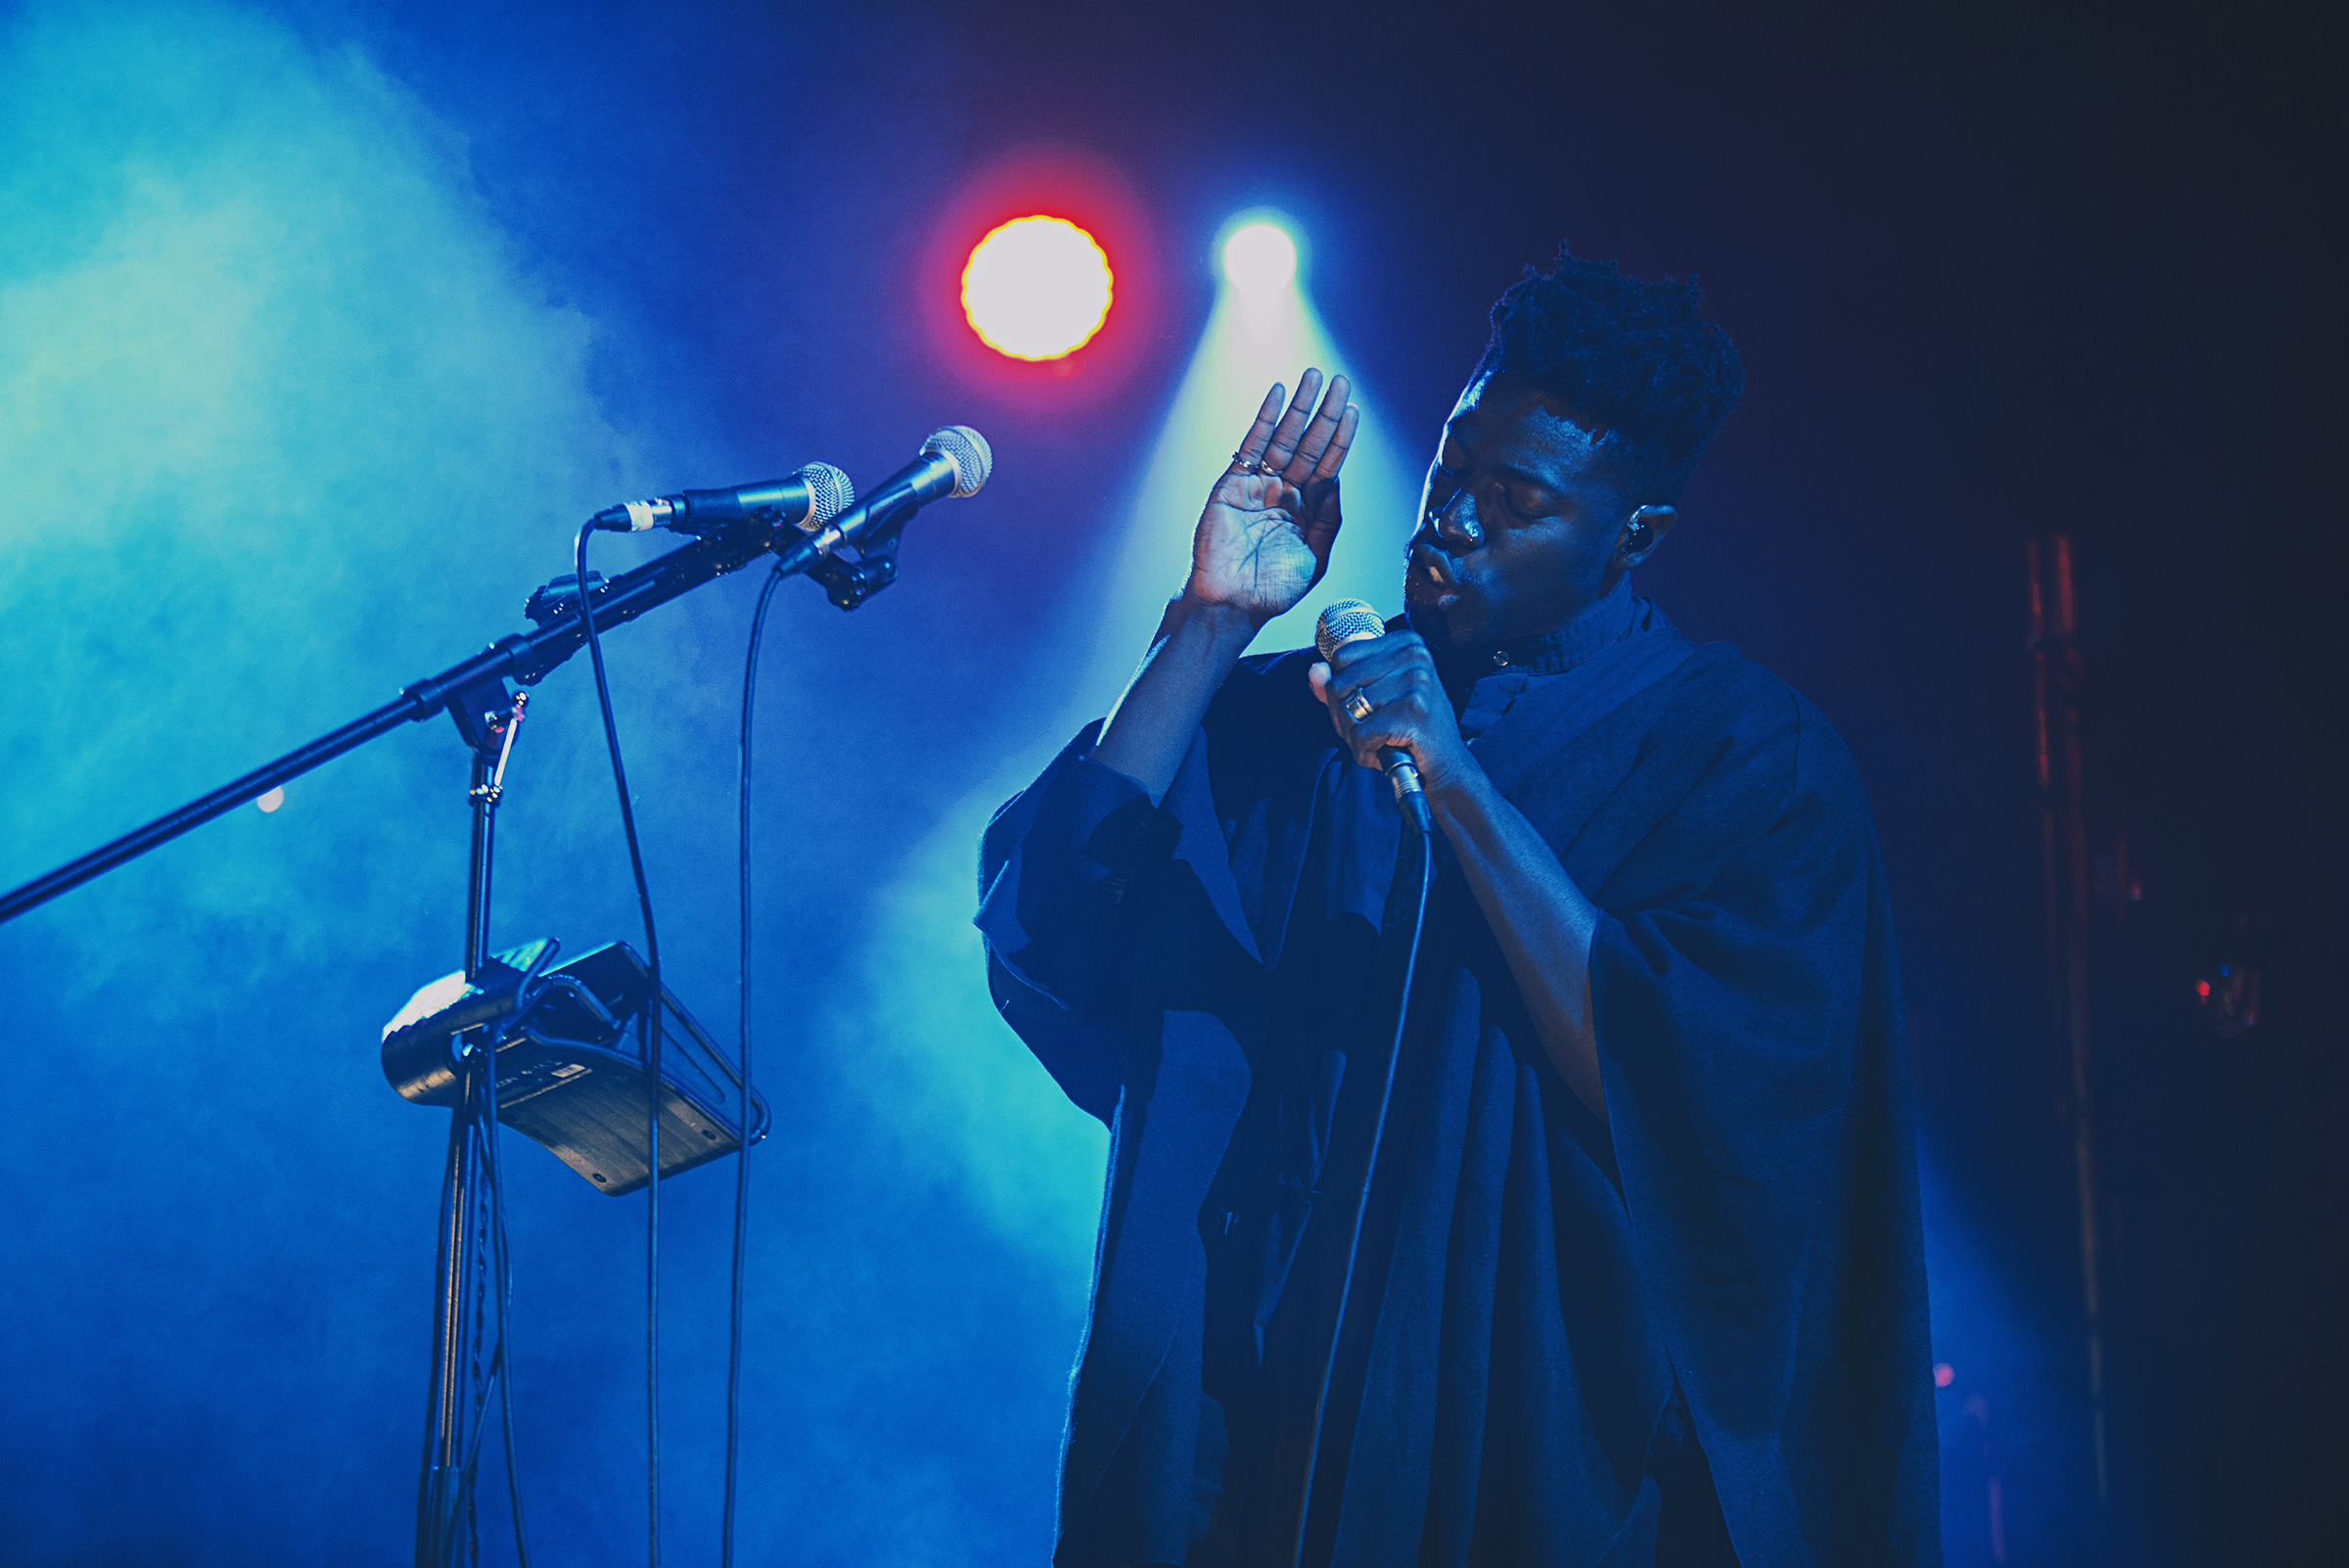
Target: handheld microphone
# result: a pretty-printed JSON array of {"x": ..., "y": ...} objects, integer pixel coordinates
[
  {"x": 954, "y": 461},
  {"x": 807, "y": 500},
  {"x": 1353, "y": 620}
]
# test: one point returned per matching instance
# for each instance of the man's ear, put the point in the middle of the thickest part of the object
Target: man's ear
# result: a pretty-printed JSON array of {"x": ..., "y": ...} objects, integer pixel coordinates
[{"x": 1643, "y": 532}]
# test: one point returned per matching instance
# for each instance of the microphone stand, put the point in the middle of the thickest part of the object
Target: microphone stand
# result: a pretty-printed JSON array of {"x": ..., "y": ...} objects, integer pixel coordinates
[
  {"x": 474, "y": 693},
  {"x": 468, "y": 690},
  {"x": 445, "y": 1490}
]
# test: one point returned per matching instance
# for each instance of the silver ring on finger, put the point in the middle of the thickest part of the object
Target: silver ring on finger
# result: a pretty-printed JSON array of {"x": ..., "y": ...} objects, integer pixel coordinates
[{"x": 1359, "y": 706}]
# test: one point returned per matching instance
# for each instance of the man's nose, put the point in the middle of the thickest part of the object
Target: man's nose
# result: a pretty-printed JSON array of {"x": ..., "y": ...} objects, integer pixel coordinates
[{"x": 1456, "y": 523}]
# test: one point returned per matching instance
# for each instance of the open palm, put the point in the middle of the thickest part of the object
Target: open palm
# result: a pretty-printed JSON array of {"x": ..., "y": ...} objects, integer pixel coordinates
[{"x": 1265, "y": 537}]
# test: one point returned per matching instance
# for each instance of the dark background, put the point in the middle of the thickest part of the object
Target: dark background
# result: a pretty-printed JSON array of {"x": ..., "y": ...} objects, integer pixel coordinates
[{"x": 1996, "y": 271}]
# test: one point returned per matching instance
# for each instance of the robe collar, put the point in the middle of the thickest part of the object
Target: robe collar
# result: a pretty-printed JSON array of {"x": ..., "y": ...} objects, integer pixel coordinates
[{"x": 1591, "y": 631}]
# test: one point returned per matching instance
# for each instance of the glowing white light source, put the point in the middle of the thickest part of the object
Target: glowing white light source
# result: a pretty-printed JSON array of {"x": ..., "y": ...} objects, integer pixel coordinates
[
  {"x": 1260, "y": 257},
  {"x": 272, "y": 799},
  {"x": 1037, "y": 287}
]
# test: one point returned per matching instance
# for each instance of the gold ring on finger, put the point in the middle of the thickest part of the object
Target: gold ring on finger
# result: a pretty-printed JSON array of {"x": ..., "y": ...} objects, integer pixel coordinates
[{"x": 1359, "y": 706}]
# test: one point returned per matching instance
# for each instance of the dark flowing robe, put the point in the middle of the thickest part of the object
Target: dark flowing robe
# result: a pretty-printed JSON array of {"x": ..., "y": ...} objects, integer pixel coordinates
[{"x": 1539, "y": 1292}]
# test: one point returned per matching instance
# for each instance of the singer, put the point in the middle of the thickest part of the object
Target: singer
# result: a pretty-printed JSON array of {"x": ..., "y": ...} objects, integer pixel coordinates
[{"x": 1640, "y": 1278}]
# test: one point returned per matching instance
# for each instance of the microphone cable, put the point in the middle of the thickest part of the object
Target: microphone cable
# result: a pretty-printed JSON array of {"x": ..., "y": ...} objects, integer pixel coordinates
[
  {"x": 742, "y": 1158},
  {"x": 497, "y": 1380},
  {"x": 503, "y": 1259},
  {"x": 1361, "y": 1205},
  {"x": 649, "y": 1036}
]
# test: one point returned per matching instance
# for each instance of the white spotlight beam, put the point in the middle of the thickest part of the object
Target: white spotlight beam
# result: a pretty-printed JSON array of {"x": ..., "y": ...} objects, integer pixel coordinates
[
  {"x": 1252, "y": 340},
  {"x": 996, "y": 1124}
]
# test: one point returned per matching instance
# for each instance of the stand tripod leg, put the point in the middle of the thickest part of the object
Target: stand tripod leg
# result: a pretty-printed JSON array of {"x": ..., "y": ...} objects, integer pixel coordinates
[{"x": 440, "y": 1492}]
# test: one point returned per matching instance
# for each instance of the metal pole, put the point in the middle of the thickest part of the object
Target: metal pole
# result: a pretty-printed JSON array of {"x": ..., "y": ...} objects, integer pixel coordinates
[
  {"x": 448, "y": 1414},
  {"x": 523, "y": 657},
  {"x": 2058, "y": 674}
]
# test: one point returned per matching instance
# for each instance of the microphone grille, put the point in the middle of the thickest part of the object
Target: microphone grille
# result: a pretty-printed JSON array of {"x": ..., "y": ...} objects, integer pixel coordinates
[
  {"x": 968, "y": 452},
  {"x": 1347, "y": 621},
  {"x": 830, "y": 493}
]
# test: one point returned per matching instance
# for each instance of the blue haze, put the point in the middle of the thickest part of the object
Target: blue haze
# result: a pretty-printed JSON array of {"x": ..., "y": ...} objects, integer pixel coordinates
[
  {"x": 291, "y": 418},
  {"x": 320, "y": 327}
]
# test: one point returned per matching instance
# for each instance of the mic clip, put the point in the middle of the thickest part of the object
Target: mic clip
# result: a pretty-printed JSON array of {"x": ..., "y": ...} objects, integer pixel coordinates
[
  {"x": 848, "y": 583},
  {"x": 559, "y": 599}
]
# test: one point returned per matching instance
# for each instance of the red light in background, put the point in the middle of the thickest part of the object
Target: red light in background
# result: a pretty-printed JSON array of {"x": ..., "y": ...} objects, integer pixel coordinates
[
  {"x": 1037, "y": 287},
  {"x": 1944, "y": 1374},
  {"x": 2203, "y": 988},
  {"x": 1087, "y": 209}
]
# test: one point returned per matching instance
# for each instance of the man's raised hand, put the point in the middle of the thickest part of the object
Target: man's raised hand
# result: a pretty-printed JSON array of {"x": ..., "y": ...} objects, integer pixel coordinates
[{"x": 1265, "y": 537}]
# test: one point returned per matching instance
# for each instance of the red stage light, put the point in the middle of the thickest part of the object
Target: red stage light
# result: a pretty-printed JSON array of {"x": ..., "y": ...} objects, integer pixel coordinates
[
  {"x": 1087, "y": 212},
  {"x": 1037, "y": 287}
]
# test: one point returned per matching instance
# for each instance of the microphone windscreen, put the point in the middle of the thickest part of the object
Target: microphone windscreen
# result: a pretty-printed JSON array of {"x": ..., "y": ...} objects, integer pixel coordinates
[
  {"x": 968, "y": 453},
  {"x": 1347, "y": 621},
  {"x": 830, "y": 493}
]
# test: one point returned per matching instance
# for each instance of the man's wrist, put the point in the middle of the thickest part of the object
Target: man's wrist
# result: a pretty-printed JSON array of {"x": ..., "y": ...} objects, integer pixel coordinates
[
  {"x": 1221, "y": 624},
  {"x": 1460, "y": 791}
]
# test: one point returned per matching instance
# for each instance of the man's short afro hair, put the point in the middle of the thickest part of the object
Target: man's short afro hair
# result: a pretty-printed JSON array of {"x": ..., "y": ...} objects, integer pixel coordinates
[{"x": 1631, "y": 358}]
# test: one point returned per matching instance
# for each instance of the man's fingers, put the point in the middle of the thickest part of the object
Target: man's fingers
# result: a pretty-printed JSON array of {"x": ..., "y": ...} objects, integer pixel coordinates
[
  {"x": 1396, "y": 728},
  {"x": 1292, "y": 424},
  {"x": 1369, "y": 654},
  {"x": 1378, "y": 685},
  {"x": 1388, "y": 687},
  {"x": 1252, "y": 447},
  {"x": 1324, "y": 428},
  {"x": 1248, "y": 493},
  {"x": 1254, "y": 492},
  {"x": 1341, "y": 441}
]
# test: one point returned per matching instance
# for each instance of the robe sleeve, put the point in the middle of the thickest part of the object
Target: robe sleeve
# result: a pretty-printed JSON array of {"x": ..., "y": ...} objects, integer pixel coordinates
[
  {"x": 1120, "y": 950},
  {"x": 1750, "y": 1047},
  {"x": 1063, "y": 867}
]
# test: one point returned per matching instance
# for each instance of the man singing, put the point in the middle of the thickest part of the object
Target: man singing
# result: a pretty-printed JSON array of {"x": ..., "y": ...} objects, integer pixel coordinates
[{"x": 1638, "y": 1278}]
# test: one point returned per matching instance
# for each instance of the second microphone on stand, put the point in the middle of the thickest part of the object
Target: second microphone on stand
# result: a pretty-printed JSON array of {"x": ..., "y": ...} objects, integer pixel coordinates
[{"x": 954, "y": 461}]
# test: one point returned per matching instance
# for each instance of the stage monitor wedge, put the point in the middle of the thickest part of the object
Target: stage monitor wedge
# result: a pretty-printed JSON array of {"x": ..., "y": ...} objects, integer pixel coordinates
[{"x": 569, "y": 1073}]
